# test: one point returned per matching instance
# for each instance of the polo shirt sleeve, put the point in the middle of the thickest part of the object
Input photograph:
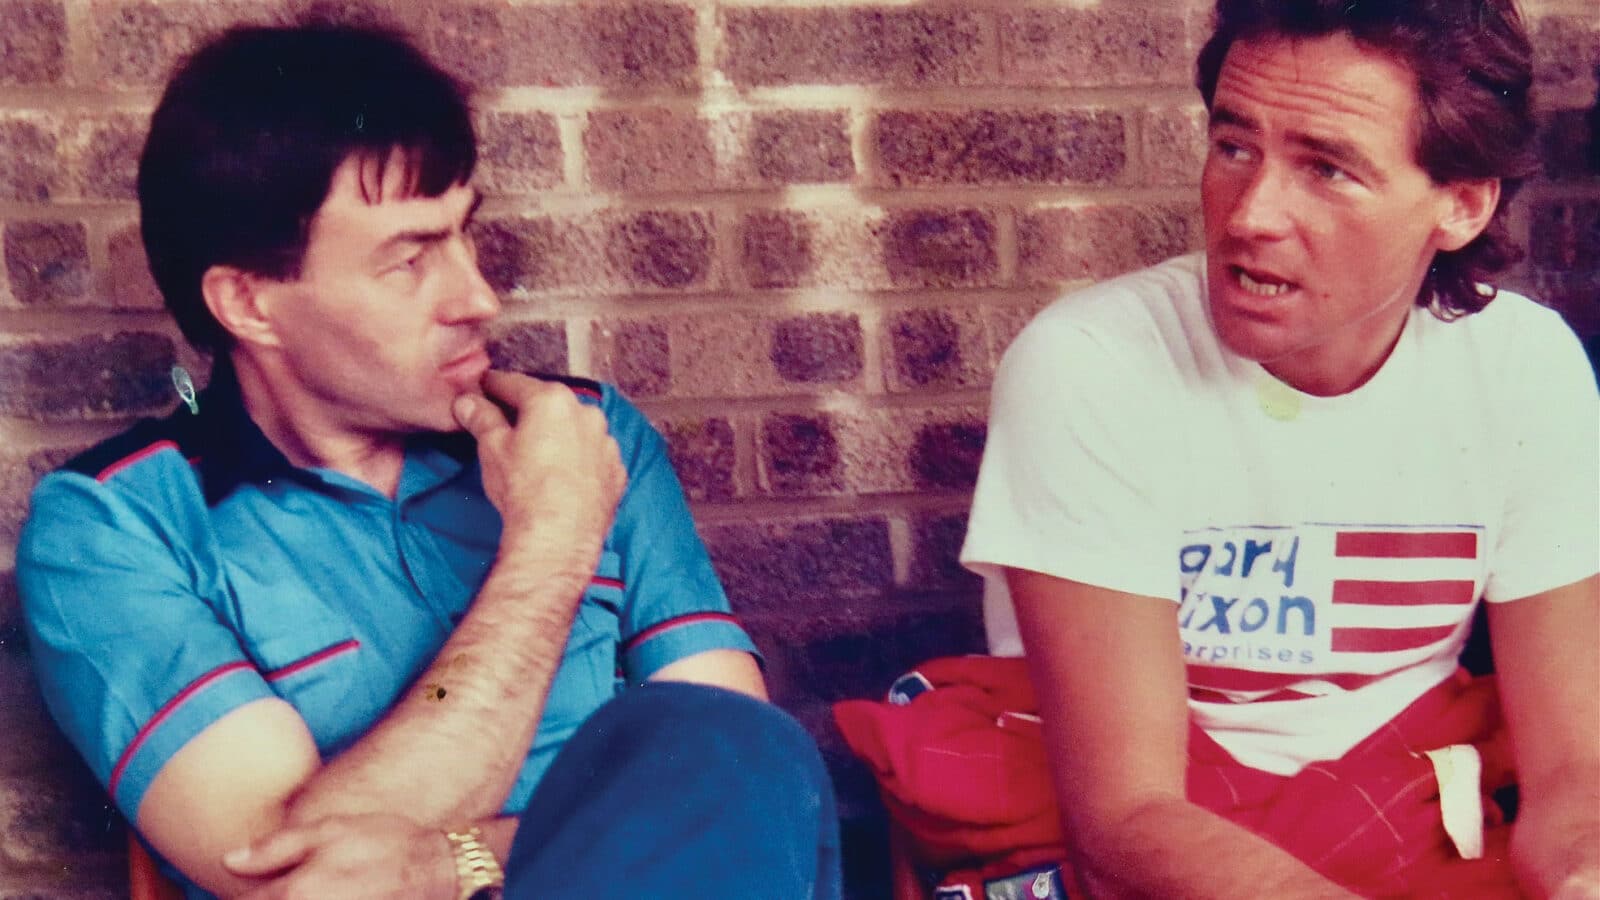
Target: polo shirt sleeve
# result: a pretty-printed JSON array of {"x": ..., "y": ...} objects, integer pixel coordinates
[
  {"x": 673, "y": 604},
  {"x": 132, "y": 662}
]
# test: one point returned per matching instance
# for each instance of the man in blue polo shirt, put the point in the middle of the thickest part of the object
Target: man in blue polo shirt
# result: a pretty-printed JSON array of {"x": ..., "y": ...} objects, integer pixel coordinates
[{"x": 329, "y": 628}]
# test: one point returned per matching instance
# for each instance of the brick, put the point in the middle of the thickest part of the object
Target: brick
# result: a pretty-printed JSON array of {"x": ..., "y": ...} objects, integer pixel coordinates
[
  {"x": 1068, "y": 244},
  {"x": 82, "y": 887},
  {"x": 511, "y": 252},
  {"x": 90, "y": 377},
  {"x": 1004, "y": 323},
  {"x": 768, "y": 566},
  {"x": 47, "y": 263},
  {"x": 856, "y": 45},
  {"x": 662, "y": 249},
  {"x": 888, "y": 451},
  {"x": 636, "y": 355},
  {"x": 636, "y": 46},
  {"x": 138, "y": 43},
  {"x": 843, "y": 651},
  {"x": 1566, "y": 235},
  {"x": 798, "y": 146},
  {"x": 32, "y": 740},
  {"x": 19, "y": 471},
  {"x": 945, "y": 456},
  {"x": 817, "y": 348},
  {"x": 109, "y": 157},
  {"x": 776, "y": 248},
  {"x": 799, "y": 455},
  {"x": 738, "y": 354},
  {"x": 29, "y": 159},
  {"x": 33, "y": 42},
  {"x": 868, "y": 249},
  {"x": 1575, "y": 294},
  {"x": 468, "y": 40},
  {"x": 1565, "y": 51},
  {"x": 600, "y": 253},
  {"x": 936, "y": 550},
  {"x": 13, "y": 641},
  {"x": 703, "y": 454},
  {"x": 648, "y": 150},
  {"x": 128, "y": 282},
  {"x": 520, "y": 152},
  {"x": 924, "y": 248},
  {"x": 530, "y": 347},
  {"x": 44, "y": 820},
  {"x": 346, "y": 12},
  {"x": 937, "y": 348},
  {"x": 1000, "y": 147},
  {"x": 1097, "y": 47},
  {"x": 1172, "y": 143},
  {"x": 1568, "y": 148}
]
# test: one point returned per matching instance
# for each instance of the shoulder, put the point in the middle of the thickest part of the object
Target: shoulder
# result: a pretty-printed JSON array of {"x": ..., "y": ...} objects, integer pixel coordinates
[
  {"x": 1517, "y": 338},
  {"x": 1139, "y": 323},
  {"x": 123, "y": 457}
]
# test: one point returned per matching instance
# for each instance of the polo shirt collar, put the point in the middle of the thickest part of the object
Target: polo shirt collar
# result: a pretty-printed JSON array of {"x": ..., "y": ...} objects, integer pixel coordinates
[{"x": 233, "y": 451}]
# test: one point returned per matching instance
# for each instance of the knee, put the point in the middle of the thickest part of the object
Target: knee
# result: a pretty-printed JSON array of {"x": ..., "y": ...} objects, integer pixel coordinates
[{"x": 733, "y": 734}]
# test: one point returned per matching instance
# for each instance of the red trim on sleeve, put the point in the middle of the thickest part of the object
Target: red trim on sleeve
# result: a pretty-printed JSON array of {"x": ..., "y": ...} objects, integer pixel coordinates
[
  {"x": 134, "y": 457},
  {"x": 166, "y": 711},
  {"x": 679, "y": 622},
  {"x": 323, "y": 655},
  {"x": 604, "y": 581}
]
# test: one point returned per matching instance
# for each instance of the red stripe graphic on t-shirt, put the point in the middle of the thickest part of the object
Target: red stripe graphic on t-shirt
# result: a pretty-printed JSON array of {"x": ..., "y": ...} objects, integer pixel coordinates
[
  {"x": 323, "y": 655},
  {"x": 1404, "y": 593},
  {"x": 166, "y": 712},
  {"x": 679, "y": 622},
  {"x": 1407, "y": 544},
  {"x": 134, "y": 457},
  {"x": 1217, "y": 679},
  {"x": 1386, "y": 640}
]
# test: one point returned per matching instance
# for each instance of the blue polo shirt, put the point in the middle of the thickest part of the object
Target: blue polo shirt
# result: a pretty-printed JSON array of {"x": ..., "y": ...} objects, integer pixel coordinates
[{"x": 185, "y": 568}]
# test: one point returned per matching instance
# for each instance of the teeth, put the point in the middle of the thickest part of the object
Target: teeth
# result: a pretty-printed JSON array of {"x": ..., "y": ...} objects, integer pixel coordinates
[{"x": 1260, "y": 288}]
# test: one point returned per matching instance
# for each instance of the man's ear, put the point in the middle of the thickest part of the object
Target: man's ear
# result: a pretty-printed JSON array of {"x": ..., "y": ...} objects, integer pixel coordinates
[
  {"x": 241, "y": 303},
  {"x": 1468, "y": 207}
]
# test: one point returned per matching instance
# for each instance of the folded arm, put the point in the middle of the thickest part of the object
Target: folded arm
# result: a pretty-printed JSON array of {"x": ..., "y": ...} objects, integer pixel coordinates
[{"x": 1109, "y": 674}]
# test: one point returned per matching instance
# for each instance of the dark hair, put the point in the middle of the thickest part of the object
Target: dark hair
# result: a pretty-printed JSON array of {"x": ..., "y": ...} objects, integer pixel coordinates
[
  {"x": 244, "y": 143},
  {"x": 1474, "y": 68}
]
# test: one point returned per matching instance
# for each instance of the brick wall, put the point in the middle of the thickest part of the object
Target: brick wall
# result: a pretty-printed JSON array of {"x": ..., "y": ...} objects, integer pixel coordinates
[{"x": 800, "y": 234}]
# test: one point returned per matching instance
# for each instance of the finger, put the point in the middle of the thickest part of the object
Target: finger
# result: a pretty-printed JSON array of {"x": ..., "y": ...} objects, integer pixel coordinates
[
  {"x": 274, "y": 853},
  {"x": 512, "y": 388},
  {"x": 478, "y": 415}
]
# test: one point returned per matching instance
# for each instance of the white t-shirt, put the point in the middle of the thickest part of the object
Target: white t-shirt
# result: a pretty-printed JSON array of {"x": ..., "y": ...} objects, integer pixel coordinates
[{"x": 1326, "y": 552}]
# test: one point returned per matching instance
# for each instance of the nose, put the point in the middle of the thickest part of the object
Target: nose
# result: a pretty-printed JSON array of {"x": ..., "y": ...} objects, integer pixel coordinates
[
  {"x": 471, "y": 298},
  {"x": 1261, "y": 211}
]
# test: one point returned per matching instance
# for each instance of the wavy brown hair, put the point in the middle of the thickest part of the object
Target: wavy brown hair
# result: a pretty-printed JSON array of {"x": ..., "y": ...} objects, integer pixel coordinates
[{"x": 1474, "y": 69}]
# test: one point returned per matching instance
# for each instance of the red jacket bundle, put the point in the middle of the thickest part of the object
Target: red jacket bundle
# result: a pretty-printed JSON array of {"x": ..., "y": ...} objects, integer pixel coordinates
[{"x": 962, "y": 769}]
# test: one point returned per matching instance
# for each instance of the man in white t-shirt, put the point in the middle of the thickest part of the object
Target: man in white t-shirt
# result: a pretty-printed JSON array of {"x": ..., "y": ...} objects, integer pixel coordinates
[{"x": 1251, "y": 500}]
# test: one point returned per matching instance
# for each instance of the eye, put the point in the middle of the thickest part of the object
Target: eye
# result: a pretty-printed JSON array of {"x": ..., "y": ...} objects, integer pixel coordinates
[
  {"x": 1327, "y": 171},
  {"x": 1230, "y": 150}
]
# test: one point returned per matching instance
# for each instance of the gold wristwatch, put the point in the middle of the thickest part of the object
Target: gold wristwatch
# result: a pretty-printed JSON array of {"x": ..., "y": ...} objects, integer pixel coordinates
[{"x": 478, "y": 874}]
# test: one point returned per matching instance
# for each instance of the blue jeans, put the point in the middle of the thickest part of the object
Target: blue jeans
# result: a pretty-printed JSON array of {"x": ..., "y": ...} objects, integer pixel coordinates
[{"x": 676, "y": 790}]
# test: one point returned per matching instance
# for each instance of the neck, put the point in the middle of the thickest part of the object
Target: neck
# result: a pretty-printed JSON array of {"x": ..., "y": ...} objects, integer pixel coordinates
[
  {"x": 1330, "y": 374},
  {"x": 308, "y": 430}
]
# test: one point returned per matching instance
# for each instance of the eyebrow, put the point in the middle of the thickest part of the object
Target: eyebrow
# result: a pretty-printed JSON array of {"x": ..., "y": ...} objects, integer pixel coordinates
[
  {"x": 427, "y": 236},
  {"x": 1341, "y": 151}
]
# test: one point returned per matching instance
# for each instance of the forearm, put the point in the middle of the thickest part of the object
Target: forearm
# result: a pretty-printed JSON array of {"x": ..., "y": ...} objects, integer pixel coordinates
[
  {"x": 1556, "y": 838},
  {"x": 451, "y": 748},
  {"x": 1172, "y": 848}
]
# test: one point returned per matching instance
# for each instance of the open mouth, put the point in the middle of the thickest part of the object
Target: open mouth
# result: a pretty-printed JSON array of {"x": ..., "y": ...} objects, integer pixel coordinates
[{"x": 1258, "y": 283}]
